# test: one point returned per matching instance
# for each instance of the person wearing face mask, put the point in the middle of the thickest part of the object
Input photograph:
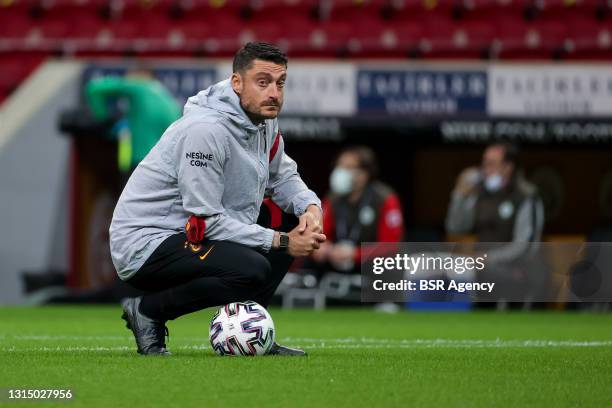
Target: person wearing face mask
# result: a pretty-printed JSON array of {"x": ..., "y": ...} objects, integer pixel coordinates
[
  {"x": 497, "y": 204},
  {"x": 359, "y": 208}
]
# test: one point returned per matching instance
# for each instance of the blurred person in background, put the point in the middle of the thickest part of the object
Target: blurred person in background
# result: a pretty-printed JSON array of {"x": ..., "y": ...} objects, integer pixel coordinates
[
  {"x": 151, "y": 109},
  {"x": 497, "y": 204},
  {"x": 359, "y": 208}
]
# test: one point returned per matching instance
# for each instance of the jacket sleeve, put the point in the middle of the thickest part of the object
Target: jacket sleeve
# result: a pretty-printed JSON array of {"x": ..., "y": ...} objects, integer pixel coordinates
[
  {"x": 285, "y": 185},
  {"x": 200, "y": 156},
  {"x": 460, "y": 215}
]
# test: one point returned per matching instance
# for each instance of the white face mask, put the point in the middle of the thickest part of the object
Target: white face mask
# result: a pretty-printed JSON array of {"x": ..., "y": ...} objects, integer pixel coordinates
[
  {"x": 341, "y": 181},
  {"x": 493, "y": 183}
]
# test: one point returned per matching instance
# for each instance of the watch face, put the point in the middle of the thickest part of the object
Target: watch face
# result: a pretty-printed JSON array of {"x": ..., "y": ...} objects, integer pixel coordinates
[{"x": 284, "y": 241}]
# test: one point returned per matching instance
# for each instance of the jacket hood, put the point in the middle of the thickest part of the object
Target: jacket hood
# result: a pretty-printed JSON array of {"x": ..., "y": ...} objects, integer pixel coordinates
[{"x": 220, "y": 98}]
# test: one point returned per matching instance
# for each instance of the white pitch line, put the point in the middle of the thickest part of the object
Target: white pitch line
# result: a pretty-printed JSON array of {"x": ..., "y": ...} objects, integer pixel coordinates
[
  {"x": 350, "y": 343},
  {"x": 362, "y": 341}
]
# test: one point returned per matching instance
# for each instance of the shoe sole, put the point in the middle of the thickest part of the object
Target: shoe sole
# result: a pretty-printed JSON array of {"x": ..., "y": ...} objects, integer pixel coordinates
[{"x": 304, "y": 354}]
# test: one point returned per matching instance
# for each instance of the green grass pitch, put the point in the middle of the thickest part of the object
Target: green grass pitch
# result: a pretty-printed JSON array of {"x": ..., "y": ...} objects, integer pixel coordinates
[{"x": 358, "y": 358}]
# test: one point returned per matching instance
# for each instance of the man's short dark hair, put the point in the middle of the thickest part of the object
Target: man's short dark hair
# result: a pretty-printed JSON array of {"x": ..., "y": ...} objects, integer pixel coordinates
[
  {"x": 511, "y": 152},
  {"x": 366, "y": 158},
  {"x": 245, "y": 56}
]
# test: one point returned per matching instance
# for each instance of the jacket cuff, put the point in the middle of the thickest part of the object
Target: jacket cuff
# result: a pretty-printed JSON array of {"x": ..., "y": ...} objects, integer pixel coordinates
[
  {"x": 267, "y": 239},
  {"x": 303, "y": 199}
]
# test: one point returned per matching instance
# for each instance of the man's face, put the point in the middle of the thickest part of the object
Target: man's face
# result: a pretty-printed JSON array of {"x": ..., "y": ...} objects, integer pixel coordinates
[
  {"x": 261, "y": 89},
  {"x": 493, "y": 163},
  {"x": 350, "y": 161}
]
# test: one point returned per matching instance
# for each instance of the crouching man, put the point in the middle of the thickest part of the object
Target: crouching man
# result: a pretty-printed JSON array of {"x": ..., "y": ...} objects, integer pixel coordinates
[{"x": 184, "y": 229}]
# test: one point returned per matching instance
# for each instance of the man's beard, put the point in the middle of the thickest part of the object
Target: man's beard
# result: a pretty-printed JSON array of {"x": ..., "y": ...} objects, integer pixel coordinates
[{"x": 257, "y": 116}]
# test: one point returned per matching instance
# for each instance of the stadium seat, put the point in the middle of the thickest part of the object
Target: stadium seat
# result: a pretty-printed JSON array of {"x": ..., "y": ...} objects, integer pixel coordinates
[
  {"x": 275, "y": 11},
  {"x": 14, "y": 68},
  {"x": 532, "y": 41},
  {"x": 412, "y": 10},
  {"x": 195, "y": 30},
  {"x": 448, "y": 38},
  {"x": 492, "y": 10},
  {"x": 53, "y": 29},
  {"x": 398, "y": 28},
  {"x": 125, "y": 29},
  {"x": 14, "y": 25},
  {"x": 408, "y": 36},
  {"x": 209, "y": 11},
  {"x": 332, "y": 39},
  {"x": 87, "y": 26},
  {"x": 351, "y": 11},
  {"x": 588, "y": 39},
  {"x": 263, "y": 31},
  {"x": 224, "y": 36},
  {"x": 564, "y": 10},
  {"x": 296, "y": 37},
  {"x": 368, "y": 38},
  {"x": 470, "y": 39}
]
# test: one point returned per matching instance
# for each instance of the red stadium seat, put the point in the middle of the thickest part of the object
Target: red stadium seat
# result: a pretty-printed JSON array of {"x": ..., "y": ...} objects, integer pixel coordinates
[
  {"x": 351, "y": 11},
  {"x": 470, "y": 39},
  {"x": 210, "y": 11},
  {"x": 296, "y": 37},
  {"x": 14, "y": 68},
  {"x": 358, "y": 28},
  {"x": 493, "y": 10},
  {"x": 146, "y": 9},
  {"x": 588, "y": 39},
  {"x": 224, "y": 36},
  {"x": 564, "y": 10},
  {"x": 447, "y": 38},
  {"x": 280, "y": 11},
  {"x": 332, "y": 39},
  {"x": 13, "y": 25},
  {"x": 364, "y": 39},
  {"x": 195, "y": 31},
  {"x": 87, "y": 26},
  {"x": 11, "y": 72},
  {"x": 531, "y": 40},
  {"x": 125, "y": 29},
  {"x": 408, "y": 36},
  {"x": 413, "y": 10},
  {"x": 54, "y": 29}
]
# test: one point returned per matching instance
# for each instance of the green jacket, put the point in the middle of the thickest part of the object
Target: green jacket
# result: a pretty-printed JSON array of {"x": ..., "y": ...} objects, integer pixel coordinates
[{"x": 151, "y": 110}]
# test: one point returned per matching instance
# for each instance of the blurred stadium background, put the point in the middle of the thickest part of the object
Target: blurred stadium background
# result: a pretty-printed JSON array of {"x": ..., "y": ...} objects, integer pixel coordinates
[{"x": 425, "y": 83}]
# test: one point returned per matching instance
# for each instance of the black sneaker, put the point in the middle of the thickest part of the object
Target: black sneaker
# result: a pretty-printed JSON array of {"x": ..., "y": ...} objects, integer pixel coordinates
[
  {"x": 278, "y": 350},
  {"x": 149, "y": 333}
]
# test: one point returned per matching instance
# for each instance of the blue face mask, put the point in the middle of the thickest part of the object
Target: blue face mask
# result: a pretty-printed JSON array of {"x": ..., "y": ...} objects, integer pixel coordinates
[{"x": 493, "y": 183}]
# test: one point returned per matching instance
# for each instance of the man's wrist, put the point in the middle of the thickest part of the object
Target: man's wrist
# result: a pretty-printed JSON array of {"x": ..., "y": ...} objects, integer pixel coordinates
[
  {"x": 280, "y": 242},
  {"x": 314, "y": 207}
]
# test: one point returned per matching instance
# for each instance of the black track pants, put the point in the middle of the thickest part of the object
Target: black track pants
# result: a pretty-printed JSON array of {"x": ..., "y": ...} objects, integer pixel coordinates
[{"x": 181, "y": 278}]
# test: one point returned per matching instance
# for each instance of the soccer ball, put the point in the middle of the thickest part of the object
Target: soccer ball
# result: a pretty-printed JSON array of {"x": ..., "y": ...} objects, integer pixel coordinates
[{"x": 242, "y": 329}]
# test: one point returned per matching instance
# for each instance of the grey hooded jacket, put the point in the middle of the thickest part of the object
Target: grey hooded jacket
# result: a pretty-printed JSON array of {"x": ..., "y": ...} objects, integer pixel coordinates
[{"x": 212, "y": 162}]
